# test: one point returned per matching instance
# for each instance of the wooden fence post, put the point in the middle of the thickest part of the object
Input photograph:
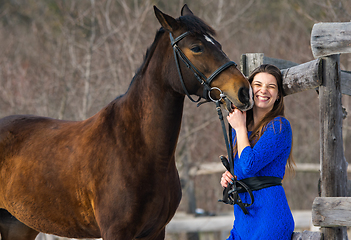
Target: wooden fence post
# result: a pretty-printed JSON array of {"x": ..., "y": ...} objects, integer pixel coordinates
[
  {"x": 250, "y": 61},
  {"x": 333, "y": 164}
]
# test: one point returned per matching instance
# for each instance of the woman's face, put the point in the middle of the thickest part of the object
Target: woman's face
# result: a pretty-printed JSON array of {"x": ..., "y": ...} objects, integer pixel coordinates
[{"x": 265, "y": 89}]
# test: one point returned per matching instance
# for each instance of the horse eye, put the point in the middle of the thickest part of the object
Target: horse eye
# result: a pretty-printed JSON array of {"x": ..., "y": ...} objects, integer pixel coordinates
[{"x": 196, "y": 49}]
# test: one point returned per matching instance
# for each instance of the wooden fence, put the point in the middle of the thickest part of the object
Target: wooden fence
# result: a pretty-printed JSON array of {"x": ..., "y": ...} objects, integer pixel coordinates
[{"x": 328, "y": 40}]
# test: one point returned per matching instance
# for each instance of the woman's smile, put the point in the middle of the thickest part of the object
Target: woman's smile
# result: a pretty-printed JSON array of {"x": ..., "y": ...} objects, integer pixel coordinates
[{"x": 263, "y": 98}]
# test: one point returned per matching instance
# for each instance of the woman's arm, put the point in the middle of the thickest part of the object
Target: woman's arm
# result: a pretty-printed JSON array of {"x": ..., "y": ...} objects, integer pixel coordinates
[{"x": 275, "y": 141}]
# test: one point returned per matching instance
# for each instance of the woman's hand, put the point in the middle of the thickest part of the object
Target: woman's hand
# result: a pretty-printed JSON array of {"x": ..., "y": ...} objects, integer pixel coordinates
[
  {"x": 227, "y": 177},
  {"x": 237, "y": 119}
]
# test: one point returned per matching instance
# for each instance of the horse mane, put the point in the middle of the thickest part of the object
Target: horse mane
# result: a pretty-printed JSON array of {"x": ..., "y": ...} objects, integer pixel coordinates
[
  {"x": 150, "y": 51},
  {"x": 196, "y": 25},
  {"x": 148, "y": 55}
]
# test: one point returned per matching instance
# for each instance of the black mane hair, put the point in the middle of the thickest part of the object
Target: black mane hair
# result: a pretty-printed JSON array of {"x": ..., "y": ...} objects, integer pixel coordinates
[{"x": 196, "y": 25}]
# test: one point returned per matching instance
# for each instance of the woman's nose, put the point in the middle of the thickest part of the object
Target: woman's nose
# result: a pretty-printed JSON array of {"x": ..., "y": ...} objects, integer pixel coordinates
[{"x": 263, "y": 89}]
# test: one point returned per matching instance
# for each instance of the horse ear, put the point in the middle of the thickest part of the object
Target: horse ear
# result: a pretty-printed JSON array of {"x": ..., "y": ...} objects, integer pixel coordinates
[
  {"x": 167, "y": 22},
  {"x": 186, "y": 10}
]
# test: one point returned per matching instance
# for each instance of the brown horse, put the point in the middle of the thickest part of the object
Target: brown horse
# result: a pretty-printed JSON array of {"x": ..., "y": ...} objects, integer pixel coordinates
[{"x": 114, "y": 175}]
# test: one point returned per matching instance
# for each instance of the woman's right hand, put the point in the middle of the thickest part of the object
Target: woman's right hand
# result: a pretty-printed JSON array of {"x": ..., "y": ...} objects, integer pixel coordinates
[
  {"x": 237, "y": 119},
  {"x": 227, "y": 177}
]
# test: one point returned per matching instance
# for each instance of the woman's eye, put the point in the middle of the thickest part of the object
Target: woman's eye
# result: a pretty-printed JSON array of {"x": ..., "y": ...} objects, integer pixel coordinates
[{"x": 196, "y": 49}]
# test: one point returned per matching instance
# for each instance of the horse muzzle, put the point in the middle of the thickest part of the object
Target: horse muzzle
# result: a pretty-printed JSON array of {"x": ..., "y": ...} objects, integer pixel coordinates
[{"x": 244, "y": 101}]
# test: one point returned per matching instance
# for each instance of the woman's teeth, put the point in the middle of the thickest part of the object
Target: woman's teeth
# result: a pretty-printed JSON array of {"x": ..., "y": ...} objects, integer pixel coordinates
[{"x": 262, "y": 98}]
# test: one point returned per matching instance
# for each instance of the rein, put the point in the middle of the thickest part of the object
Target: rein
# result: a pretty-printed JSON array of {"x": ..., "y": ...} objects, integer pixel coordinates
[{"x": 230, "y": 193}]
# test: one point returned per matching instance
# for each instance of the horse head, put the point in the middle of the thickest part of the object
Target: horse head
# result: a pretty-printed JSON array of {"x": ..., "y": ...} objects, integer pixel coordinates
[{"x": 204, "y": 69}]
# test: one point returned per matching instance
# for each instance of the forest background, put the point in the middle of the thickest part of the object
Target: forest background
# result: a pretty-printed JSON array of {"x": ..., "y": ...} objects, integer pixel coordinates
[{"x": 67, "y": 59}]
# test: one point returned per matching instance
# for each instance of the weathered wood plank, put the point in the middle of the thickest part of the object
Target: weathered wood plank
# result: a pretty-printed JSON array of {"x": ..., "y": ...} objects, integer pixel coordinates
[
  {"x": 296, "y": 78},
  {"x": 217, "y": 167},
  {"x": 307, "y": 235},
  {"x": 330, "y": 38},
  {"x": 190, "y": 223},
  {"x": 331, "y": 211},
  {"x": 302, "y": 77},
  {"x": 333, "y": 163},
  {"x": 345, "y": 82},
  {"x": 250, "y": 61}
]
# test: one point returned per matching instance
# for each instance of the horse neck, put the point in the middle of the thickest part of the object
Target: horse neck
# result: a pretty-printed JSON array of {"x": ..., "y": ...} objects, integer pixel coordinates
[
  {"x": 153, "y": 108},
  {"x": 158, "y": 109}
]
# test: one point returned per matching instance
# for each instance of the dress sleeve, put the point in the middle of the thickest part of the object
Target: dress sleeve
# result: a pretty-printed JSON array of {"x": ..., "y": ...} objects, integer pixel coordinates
[{"x": 274, "y": 142}]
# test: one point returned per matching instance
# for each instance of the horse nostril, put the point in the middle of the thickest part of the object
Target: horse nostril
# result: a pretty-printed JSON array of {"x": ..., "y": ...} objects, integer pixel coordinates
[{"x": 244, "y": 95}]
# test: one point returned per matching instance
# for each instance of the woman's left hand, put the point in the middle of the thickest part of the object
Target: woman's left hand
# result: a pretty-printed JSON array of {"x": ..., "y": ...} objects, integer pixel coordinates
[{"x": 227, "y": 178}]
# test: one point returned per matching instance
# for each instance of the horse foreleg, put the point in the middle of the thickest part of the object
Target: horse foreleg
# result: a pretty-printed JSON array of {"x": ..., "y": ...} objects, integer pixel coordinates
[{"x": 12, "y": 229}]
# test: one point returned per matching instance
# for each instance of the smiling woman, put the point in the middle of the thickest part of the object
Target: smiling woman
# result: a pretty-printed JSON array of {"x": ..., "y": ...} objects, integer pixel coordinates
[{"x": 262, "y": 139}]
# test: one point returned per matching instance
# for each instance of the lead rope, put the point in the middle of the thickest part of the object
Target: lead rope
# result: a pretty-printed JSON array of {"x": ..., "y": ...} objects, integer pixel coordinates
[{"x": 230, "y": 193}]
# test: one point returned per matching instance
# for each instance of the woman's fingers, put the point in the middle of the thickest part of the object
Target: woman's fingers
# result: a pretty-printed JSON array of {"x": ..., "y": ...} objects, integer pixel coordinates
[
  {"x": 237, "y": 118},
  {"x": 227, "y": 177}
]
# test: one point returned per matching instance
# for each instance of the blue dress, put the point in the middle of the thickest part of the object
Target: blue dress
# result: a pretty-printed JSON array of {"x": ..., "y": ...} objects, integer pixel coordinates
[{"x": 269, "y": 217}]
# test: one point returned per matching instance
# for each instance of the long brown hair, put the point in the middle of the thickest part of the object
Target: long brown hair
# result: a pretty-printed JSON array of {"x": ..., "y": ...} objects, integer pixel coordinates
[{"x": 277, "y": 110}]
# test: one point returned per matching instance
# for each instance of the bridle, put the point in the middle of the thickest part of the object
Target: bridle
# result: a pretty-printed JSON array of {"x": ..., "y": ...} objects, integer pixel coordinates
[
  {"x": 206, "y": 82},
  {"x": 230, "y": 193}
]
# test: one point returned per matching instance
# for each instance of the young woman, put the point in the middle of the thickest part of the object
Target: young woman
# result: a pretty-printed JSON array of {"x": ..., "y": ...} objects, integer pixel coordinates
[{"x": 262, "y": 142}]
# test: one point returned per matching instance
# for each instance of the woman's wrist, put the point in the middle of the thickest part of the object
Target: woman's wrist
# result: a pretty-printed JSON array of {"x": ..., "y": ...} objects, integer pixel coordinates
[{"x": 241, "y": 130}]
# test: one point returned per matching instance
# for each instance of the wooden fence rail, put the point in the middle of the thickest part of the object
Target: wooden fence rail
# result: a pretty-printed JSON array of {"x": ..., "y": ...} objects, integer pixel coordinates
[
  {"x": 330, "y": 38},
  {"x": 217, "y": 167},
  {"x": 190, "y": 223},
  {"x": 331, "y": 211},
  {"x": 302, "y": 77},
  {"x": 222, "y": 223}
]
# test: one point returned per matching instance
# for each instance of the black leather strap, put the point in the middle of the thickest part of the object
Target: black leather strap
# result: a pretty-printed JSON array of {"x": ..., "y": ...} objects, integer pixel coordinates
[
  {"x": 219, "y": 70},
  {"x": 257, "y": 183}
]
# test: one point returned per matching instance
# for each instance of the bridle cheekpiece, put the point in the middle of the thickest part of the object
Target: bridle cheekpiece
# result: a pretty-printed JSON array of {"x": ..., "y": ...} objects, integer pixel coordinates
[{"x": 206, "y": 82}]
